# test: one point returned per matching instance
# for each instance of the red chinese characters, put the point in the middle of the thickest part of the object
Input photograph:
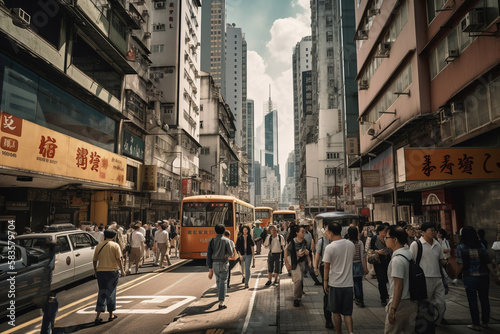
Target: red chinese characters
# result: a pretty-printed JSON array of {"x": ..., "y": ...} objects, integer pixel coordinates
[
  {"x": 94, "y": 161},
  {"x": 47, "y": 147},
  {"x": 81, "y": 158}
]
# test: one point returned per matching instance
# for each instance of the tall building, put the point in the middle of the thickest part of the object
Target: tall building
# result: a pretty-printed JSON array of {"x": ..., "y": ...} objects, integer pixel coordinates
[
  {"x": 302, "y": 103},
  {"x": 429, "y": 110},
  {"x": 213, "y": 58},
  {"x": 271, "y": 186},
  {"x": 236, "y": 76},
  {"x": 288, "y": 198},
  {"x": 249, "y": 145},
  {"x": 175, "y": 47}
]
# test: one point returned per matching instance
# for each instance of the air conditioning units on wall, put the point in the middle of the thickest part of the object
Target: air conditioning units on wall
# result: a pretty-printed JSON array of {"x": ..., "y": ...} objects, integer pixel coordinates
[
  {"x": 22, "y": 17},
  {"x": 384, "y": 48},
  {"x": 473, "y": 20},
  {"x": 363, "y": 85},
  {"x": 362, "y": 34}
]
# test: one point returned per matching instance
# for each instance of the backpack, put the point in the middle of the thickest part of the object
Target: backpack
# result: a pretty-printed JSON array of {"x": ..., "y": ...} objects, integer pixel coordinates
[{"x": 418, "y": 287}]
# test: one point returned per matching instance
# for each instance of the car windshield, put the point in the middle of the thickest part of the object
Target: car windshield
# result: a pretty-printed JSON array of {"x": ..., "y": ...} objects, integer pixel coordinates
[{"x": 40, "y": 242}]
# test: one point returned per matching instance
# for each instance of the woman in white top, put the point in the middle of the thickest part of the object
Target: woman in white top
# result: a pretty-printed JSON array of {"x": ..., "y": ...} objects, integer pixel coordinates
[{"x": 445, "y": 246}]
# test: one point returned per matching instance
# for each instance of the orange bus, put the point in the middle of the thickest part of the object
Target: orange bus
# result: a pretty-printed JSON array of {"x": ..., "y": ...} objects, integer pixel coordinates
[
  {"x": 284, "y": 215},
  {"x": 264, "y": 214},
  {"x": 200, "y": 214}
]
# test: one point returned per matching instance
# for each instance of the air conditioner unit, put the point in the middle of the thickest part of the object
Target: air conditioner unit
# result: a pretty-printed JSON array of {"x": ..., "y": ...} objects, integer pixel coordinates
[
  {"x": 456, "y": 107},
  {"x": 384, "y": 48},
  {"x": 145, "y": 12},
  {"x": 362, "y": 34},
  {"x": 373, "y": 11},
  {"x": 114, "y": 198},
  {"x": 22, "y": 16},
  {"x": 147, "y": 34},
  {"x": 363, "y": 85},
  {"x": 451, "y": 55},
  {"x": 160, "y": 5},
  {"x": 371, "y": 132},
  {"x": 129, "y": 200},
  {"x": 473, "y": 20}
]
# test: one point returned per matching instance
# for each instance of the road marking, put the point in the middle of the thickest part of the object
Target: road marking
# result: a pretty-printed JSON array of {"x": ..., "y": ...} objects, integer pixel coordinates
[
  {"x": 123, "y": 288},
  {"x": 120, "y": 301},
  {"x": 250, "y": 306}
]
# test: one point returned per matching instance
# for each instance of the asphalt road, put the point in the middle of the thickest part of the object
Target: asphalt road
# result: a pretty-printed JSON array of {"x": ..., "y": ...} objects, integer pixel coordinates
[{"x": 151, "y": 297}]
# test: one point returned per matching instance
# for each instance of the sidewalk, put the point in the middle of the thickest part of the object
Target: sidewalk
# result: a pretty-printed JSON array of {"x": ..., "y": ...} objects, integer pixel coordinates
[{"x": 262, "y": 309}]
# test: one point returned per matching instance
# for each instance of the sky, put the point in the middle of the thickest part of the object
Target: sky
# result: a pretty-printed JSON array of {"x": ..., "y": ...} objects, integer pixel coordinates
[{"x": 272, "y": 28}]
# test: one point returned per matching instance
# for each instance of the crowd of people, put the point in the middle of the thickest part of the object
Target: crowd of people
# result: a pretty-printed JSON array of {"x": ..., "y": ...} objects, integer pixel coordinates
[{"x": 339, "y": 260}]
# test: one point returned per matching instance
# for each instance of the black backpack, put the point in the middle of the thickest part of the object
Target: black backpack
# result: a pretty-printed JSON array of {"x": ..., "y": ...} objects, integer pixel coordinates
[{"x": 418, "y": 287}]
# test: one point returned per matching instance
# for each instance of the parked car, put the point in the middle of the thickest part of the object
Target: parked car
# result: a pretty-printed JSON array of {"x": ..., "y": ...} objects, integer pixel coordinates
[
  {"x": 24, "y": 278},
  {"x": 74, "y": 252}
]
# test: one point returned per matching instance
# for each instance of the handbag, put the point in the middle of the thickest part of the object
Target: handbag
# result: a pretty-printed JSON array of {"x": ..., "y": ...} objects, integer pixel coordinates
[{"x": 373, "y": 257}]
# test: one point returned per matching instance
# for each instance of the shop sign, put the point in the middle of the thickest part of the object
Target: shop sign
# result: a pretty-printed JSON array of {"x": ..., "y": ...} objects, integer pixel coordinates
[
  {"x": 17, "y": 205},
  {"x": 371, "y": 178},
  {"x": 29, "y": 146},
  {"x": 133, "y": 146},
  {"x": 171, "y": 16},
  {"x": 149, "y": 178},
  {"x": 352, "y": 146},
  {"x": 463, "y": 163}
]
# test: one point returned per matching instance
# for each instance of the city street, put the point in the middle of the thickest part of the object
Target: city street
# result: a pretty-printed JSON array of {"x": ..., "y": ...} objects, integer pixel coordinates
[{"x": 182, "y": 299}]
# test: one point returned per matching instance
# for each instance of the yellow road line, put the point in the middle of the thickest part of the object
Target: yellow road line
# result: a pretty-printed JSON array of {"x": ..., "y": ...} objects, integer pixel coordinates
[{"x": 125, "y": 287}]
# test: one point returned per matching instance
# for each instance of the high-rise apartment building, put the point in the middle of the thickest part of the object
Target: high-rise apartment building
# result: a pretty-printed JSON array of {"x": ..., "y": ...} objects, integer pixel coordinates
[
  {"x": 213, "y": 25},
  {"x": 249, "y": 145},
  {"x": 428, "y": 78},
  {"x": 302, "y": 102},
  {"x": 236, "y": 76},
  {"x": 288, "y": 197}
]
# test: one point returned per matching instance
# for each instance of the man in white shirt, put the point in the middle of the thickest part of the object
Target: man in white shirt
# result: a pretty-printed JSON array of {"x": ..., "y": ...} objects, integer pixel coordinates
[
  {"x": 162, "y": 243},
  {"x": 432, "y": 259},
  {"x": 401, "y": 310},
  {"x": 338, "y": 280},
  {"x": 99, "y": 234},
  {"x": 275, "y": 242},
  {"x": 136, "y": 245}
]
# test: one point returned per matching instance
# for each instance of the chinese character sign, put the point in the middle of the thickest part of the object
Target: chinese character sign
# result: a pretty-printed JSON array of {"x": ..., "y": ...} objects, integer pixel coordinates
[{"x": 452, "y": 163}]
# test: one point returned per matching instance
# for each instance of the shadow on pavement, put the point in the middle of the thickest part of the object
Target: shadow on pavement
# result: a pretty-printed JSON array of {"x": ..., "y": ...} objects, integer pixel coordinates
[
  {"x": 76, "y": 328},
  {"x": 201, "y": 309}
]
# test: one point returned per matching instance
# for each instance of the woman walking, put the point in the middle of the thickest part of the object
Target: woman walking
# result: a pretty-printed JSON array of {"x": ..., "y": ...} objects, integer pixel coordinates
[
  {"x": 245, "y": 246},
  {"x": 359, "y": 269},
  {"x": 475, "y": 262}
]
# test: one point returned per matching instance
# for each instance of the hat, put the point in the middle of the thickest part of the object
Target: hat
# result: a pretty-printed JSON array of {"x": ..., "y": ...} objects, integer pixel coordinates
[{"x": 258, "y": 222}]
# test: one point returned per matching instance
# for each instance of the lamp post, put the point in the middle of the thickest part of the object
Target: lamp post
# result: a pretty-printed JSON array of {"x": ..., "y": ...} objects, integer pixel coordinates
[{"x": 317, "y": 183}]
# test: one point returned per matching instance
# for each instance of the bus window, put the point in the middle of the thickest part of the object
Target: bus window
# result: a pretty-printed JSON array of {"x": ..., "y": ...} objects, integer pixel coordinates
[{"x": 207, "y": 214}]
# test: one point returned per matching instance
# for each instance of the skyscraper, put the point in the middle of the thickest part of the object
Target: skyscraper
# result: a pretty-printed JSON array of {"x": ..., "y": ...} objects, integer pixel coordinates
[
  {"x": 236, "y": 76},
  {"x": 213, "y": 58}
]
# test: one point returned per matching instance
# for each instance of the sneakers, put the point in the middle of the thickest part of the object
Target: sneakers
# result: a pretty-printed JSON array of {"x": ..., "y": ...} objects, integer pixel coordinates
[
  {"x": 268, "y": 283},
  {"x": 222, "y": 306},
  {"x": 296, "y": 303},
  {"x": 329, "y": 325},
  {"x": 360, "y": 303},
  {"x": 246, "y": 286}
]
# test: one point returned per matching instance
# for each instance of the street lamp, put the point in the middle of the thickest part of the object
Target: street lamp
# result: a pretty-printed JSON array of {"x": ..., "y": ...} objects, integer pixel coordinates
[{"x": 317, "y": 183}]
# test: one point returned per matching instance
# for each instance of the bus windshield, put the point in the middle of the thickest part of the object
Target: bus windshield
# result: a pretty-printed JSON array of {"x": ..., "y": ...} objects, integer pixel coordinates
[
  {"x": 284, "y": 217},
  {"x": 200, "y": 214},
  {"x": 262, "y": 214}
]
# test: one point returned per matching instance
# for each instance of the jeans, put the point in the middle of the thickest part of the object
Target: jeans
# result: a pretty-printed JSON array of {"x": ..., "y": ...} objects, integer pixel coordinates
[
  {"x": 248, "y": 263},
  {"x": 381, "y": 271},
  {"x": 107, "y": 282},
  {"x": 49, "y": 316},
  {"x": 221, "y": 272},
  {"x": 478, "y": 286},
  {"x": 326, "y": 312}
]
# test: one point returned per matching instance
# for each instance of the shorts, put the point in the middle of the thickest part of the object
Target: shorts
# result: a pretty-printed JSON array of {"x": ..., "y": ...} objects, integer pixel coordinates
[
  {"x": 340, "y": 300},
  {"x": 274, "y": 263}
]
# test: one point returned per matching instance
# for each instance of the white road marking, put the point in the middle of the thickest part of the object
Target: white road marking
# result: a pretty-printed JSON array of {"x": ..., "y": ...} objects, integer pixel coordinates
[
  {"x": 250, "y": 306},
  {"x": 146, "y": 300}
]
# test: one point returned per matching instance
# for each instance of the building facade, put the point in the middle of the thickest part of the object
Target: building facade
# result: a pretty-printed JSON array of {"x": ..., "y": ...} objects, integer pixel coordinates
[{"x": 421, "y": 86}]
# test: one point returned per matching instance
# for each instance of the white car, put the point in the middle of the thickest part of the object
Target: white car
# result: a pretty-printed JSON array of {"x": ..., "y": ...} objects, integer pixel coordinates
[{"x": 74, "y": 252}]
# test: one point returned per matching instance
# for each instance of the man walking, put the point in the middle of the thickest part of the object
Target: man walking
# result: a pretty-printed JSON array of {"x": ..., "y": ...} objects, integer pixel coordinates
[
  {"x": 377, "y": 245},
  {"x": 401, "y": 310},
  {"x": 106, "y": 261},
  {"x": 299, "y": 255},
  {"x": 162, "y": 242},
  {"x": 136, "y": 246},
  {"x": 320, "y": 251},
  {"x": 218, "y": 253},
  {"x": 430, "y": 260},
  {"x": 339, "y": 282},
  {"x": 275, "y": 242},
  {"x": 257, "y": 231}
]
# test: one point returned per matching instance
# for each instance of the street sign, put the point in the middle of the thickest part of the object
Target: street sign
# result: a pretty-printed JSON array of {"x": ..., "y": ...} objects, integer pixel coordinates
[{"x": 233, "y": 174}]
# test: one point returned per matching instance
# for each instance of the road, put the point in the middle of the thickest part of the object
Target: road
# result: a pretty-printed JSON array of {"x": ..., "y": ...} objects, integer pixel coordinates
[{"x": 153, "y": 298}]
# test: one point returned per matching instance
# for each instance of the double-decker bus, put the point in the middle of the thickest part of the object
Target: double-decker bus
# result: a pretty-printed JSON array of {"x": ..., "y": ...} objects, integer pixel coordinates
[
  {"x": 284, "y": 215},
  {"x": 200, "y": 214},
  {"x": 264, "y": 214}
]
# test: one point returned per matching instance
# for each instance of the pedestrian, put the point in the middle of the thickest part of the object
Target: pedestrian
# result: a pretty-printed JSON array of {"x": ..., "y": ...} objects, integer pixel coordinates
[
  {"x": 431, "y": 260},
  {"x": 319, "y": 268},
  {"x": 257, "y": 231},
  {"x": 401, "y": 310},
  {"x": 218, "y": 253},
  {"x": 475, "y": 263},
  {"x": 119, "y": 239},
  {"x": 149, "y": 239},
  {"x": 51, "y": 306},
  {"x": 310, "y": 246},
  {"x": 99, "y": 233},
  {"x": 136, "y": 245},
  {"x": 369, "y": 236},
  {"x": 27, "y": 230},
  {"x": 338, "y": 284},
  {"x": 162, "y": 242},
  {"x": 445, "y": 246},
  {"x": 296, "y": 256},
  {"x": 496, "y": 249},
  {"x": 359, "y": 269},
  {"x": 481, "y": 233},
  {"x": 234, "y": 258},
  {"x": 276, "y": 243},
  {"x": 378, "y": 249},
  {"x": 107, "y": 261},
  {"x": 410, "y": 231},
  {"x": 245, "y": 247}
]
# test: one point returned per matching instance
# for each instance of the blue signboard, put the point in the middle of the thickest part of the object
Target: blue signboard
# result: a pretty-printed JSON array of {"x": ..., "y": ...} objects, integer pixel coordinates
[{"x": 133, "y": 146}]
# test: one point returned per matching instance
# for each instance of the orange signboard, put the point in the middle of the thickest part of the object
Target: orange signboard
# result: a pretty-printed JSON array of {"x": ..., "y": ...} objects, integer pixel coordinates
[
  {"x": 464, "y": 163},
  {"x": 29, "y": 146}
]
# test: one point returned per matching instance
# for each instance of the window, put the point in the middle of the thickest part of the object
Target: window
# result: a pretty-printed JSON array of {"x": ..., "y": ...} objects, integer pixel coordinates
[
  {"x": 329, "y": 53},
  {"x": 332, "y": 155},
  {"x": 329, "y": 36},
  {"x": 158, "y": 48},
  {"x": 159, "y": 27},
  {"x": 131, "y": 173},
  {"x": 205, "y": 150},
  {"x": 62, "y": 245},
  {"x": 201, "y": 124},
  {"x": 80, "y": 240}
]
